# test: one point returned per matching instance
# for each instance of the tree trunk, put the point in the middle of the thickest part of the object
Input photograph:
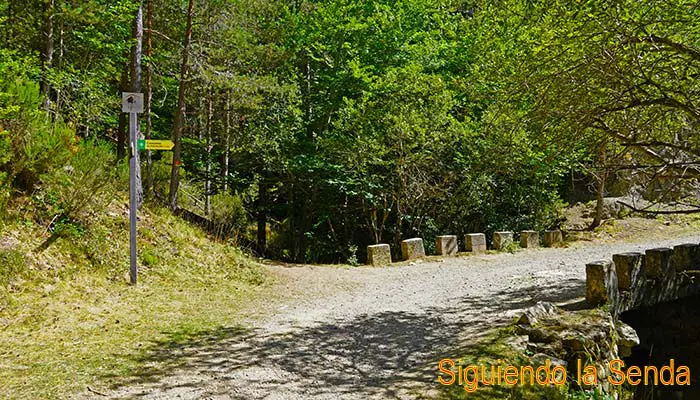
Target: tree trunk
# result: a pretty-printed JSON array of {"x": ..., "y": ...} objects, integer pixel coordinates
[
  {"x": 227, "y": 144},
  {"x": 600, "y": 202},
  {"x": 401, "y": 194},
  {"x": 121, "y": 130},
  {"x": 262, "y": 215},
  {"x": 61, "y": 39},
  {"x": 600, "y": 196},
  {"x": 207, "y": 185},
  {"x": 180, "y": 112},
  {"x": 58, "y": 65},
  {"x": 136, "y": 57},
  {"x": 309, "y": 105},
  {"x": 291, "y": 218},
  {"x": 137, "y": 50},
  {"x": 398, "y": 234},
  {"x": 373, "y": 228},
  {"x": 9, "y": 32},
  {"x": 48, "y": 54},
  {"x": 201, "y": 155},
  {"x": 149, "y": 93}
]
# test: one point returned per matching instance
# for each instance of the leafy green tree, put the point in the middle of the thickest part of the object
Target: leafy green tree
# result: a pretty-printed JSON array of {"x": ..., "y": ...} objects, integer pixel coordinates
[{"x": 616, "y": 80}]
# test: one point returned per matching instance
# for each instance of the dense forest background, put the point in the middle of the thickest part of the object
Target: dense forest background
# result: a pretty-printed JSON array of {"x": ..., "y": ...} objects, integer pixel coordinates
[{"x": 334, "y": 124}]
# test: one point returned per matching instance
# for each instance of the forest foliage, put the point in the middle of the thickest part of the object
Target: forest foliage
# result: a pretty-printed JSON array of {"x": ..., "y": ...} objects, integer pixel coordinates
[{"x": 330, "y": 125}]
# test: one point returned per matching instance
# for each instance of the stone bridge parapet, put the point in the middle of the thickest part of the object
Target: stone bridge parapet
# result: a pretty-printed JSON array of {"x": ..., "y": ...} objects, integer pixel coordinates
[{"x": 636, "y": 280}]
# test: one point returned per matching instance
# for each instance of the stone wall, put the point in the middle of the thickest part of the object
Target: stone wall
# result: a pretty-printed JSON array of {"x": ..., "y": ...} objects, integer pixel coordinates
[
  {"x": 630, "y": 282},
  {"x": 633, "y": 280},
  {"x": 637, "y": 284}
]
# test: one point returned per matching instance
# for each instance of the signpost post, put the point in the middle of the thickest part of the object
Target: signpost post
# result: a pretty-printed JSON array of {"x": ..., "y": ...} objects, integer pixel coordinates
[{"x": 132, "y": 103}]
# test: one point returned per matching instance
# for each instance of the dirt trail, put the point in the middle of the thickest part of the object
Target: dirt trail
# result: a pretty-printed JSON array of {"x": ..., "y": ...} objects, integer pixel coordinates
[{"x": 369, "y": 333}]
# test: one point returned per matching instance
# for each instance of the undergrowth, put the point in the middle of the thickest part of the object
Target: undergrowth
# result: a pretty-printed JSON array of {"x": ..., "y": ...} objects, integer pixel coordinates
[{"x": 68, "y": 317}]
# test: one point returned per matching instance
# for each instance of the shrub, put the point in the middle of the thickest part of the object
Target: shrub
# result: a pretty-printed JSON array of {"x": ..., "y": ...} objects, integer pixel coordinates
[
  {"x": 4, "y": 158},
  {"x": 80, "y": 188},
  {"x": 228, "y": 213},
  {"x": 11, "y": 264},
  {"x": 352, "y": 260},
  {"x": 161, "y": 173},
  {"x": 4, "y": 195},
  {"x": 31, "y": 143},
  {"x": 149, "y": 257}
]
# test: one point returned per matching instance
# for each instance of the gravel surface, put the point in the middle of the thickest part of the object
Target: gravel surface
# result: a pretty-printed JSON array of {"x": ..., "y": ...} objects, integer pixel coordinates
[{"x": 368, "y": 333}]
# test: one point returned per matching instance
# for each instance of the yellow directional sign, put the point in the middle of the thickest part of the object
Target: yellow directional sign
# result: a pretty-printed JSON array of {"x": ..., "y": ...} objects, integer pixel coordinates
[{"x": 156, "y": 145}]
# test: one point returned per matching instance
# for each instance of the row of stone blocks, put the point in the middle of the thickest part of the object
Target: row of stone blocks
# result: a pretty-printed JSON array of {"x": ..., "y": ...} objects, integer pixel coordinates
[
  {"x": 446, "y": 245},
  {"x": 632, "y": 280}
]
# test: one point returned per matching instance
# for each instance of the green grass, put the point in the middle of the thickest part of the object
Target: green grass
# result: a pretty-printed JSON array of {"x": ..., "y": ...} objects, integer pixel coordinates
[{"x": 69, "y": 319}]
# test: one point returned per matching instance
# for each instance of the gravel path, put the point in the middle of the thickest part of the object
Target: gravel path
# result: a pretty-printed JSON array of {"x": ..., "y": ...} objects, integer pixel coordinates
[{"x": 369, "y": 333}]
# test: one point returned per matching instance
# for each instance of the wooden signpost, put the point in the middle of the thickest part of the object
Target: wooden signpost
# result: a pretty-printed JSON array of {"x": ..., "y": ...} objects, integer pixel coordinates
[{"x": 132, "y": 103}]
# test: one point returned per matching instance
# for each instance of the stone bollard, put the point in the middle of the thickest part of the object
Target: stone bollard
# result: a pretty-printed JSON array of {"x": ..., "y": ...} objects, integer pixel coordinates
[
  {"x": 378, "y": 255},
  {"x": 412, "y": 248},
  {"x": 446, "y": 245},
  {"x": 475, "y": 242},
  {"x": 501, "y": 240},
  {"x": 627, "y": 266},
  {"x": 552, "y": 238},
  {"x": 529, "y": 239},
  {"x": 601, "y": 283},
  {"x": 657, "y": 262},
  {"x": 686, "y": 257}
]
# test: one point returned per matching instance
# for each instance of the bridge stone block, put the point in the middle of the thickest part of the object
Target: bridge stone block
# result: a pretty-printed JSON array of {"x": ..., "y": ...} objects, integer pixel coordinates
[
  {"x": 412, "y": 249},
  {"x": 446, "y": 245},
  {"x": 552, "y": 238},
  {"x": 475, "y": 242},
  {"x": 628, "y": 266},
  {"x": 501, "y": 240},
  {"x": 657, "y": 262},
  {"x": 378, "y": 255},
  {"x": 601, "y": 283},
  {"x": 529, "y": 239},
  {"x": 686, "y": 257}
]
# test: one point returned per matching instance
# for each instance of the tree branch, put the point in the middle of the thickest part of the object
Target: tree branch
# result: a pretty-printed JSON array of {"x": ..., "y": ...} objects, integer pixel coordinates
[
  {"x": 661, "y": 101},
  {"x": 645, "y": 211},
  {"x": 679, "y": 47}
]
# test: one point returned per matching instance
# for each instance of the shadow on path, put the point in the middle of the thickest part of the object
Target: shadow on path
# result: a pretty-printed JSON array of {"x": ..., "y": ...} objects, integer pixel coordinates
[{"x": 383, "y": 355}]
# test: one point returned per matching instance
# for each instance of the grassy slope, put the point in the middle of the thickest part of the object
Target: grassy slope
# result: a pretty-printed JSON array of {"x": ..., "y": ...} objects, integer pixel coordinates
[{"x": 68, "y": 318}]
